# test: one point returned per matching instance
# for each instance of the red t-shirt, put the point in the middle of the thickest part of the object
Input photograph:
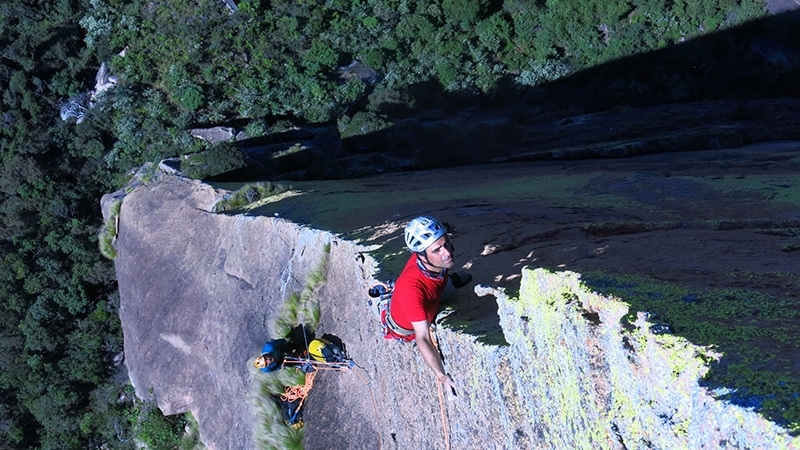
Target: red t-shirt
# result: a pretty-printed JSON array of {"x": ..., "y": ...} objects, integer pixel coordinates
[{"x": 416, "y": 295}]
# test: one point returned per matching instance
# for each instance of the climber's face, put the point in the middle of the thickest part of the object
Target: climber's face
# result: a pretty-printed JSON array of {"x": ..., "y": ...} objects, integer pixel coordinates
[{"x": 439, "y": 255}]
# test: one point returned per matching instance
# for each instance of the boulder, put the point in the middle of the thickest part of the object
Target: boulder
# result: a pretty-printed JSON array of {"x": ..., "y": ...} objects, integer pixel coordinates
[{"x": 214, "y": 134}]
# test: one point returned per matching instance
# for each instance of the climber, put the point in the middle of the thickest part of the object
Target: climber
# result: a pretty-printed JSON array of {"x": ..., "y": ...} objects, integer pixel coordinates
[
  {"x": 321, "y": 353},
  {"x": 416, "y": 294},
  {"x": 272, "y": 355}
]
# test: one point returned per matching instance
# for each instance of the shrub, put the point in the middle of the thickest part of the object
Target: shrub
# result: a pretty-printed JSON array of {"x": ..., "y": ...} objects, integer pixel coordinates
[
  {"x": 256, "y": 128},
  {"x": 156, "y": 430},
  {"x": 219, "y": 158},
  {"x": 362, "y": 122}
]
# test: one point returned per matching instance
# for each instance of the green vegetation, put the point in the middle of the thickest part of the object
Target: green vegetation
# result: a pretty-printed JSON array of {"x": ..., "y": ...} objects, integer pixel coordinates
[
  {"x": 270, "y": 65},
  {"x": 271, "y": 432},
  {"x": 791, "y": 247},
  {"x": 248, "y": 194},
  {"x": 774, "y": 188},
  {"x": 190, "y": 435},
  {"x": 108, "y": 234},
  {"x": 757, "y": 334},
  {"x": 219, "y": 158},
  {"x": 157, "y": 431},
  {"x": 362, "y": 122},
  {"x": 302, "y": 308}
]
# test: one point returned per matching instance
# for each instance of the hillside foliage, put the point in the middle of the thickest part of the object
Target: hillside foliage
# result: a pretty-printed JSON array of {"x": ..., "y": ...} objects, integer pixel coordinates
[{"x": 184, "y": 63}]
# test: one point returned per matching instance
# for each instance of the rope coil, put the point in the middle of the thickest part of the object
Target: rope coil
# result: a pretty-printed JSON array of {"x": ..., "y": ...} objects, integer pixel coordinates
[{"x": 293, "y": 393}]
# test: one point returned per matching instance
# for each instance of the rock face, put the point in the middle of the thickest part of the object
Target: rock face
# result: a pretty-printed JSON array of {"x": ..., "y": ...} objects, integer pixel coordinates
[
  {"x": 571, "y": 377},
  {"x": 214, "y": 134},
  {"x": 554, "y": 368},
  {"x": 195, "y": 309}
]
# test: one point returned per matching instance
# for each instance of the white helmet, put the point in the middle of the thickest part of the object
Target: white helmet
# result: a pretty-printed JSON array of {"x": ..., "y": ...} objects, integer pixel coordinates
[{"x": 423, "y": 231}]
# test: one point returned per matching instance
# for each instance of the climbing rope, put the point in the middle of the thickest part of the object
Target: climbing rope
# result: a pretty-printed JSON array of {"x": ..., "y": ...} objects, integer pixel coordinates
[
  {"x": 310, "y": 367},
  {"x": 444, "y": 418},
  {"x": 374, "y": 407},
  {"x": 293, "y": 393},
  {"x": 441, "y": 395}
]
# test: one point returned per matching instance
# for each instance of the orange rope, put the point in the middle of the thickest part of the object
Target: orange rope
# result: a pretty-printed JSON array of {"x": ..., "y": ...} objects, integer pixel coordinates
[
  {"x": 444, "y": 418},
  {"x": 374, "y": 407},
  {"x": 299, "y": 392},
  {"x": 441, "y": 396},
  {"x": 293, "y": 393}
]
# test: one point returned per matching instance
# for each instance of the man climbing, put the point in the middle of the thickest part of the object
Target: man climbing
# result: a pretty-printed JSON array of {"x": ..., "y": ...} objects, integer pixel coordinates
[
  {"x": 272, "y": 355},
  {"x": 415, "y": 298}
]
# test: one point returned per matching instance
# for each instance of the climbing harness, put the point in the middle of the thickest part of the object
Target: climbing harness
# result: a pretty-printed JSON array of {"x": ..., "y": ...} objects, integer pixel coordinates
[
  {"x": 381, "y": 303},
  {"x": 392, "y": 326}
]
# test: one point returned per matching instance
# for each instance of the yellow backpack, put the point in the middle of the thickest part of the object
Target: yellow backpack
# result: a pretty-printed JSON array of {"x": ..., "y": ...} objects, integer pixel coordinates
[{"x": 324, "y": 350}]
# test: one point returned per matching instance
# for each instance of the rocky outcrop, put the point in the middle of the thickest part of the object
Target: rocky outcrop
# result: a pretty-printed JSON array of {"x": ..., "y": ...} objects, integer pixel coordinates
[
  {"x": 572, "y": 377},
  {"x": 218, "y": 134},
  {"x": 556, "y": 368},
  {"x": 76, "y": 107},
  {"x": 196, "y": 308},
  {"x": 213, "y": 134}
]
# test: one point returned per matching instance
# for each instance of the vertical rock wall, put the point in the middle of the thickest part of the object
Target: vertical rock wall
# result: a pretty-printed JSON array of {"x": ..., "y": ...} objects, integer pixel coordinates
[
  {"x": 571, "y": 376},
  {"x": 199, "y": 293},
  {"x": 578, "y": 379}
]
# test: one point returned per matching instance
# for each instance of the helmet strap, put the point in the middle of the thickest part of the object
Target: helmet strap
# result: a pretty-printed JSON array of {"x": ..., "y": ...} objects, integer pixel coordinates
[{"x": 425, "y": 264}]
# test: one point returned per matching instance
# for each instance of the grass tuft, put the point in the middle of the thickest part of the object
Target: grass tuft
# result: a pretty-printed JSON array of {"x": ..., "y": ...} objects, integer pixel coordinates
[
  {"x": 271, "y": 432},
  {"x": 108, "y": 233},
  {"x": 301, "y": 308},
  {"x": 248, "y": 194}
]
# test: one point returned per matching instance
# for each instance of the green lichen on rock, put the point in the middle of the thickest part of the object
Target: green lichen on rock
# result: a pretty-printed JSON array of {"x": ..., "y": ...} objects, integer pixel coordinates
[
  {"x": 556, "y": 374},
  {"x": 755, "y": 333},
  {"x": 592, "y": 375}
]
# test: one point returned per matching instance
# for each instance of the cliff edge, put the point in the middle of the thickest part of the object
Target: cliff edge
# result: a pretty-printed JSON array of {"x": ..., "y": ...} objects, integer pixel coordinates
[{"x": 547, "y": 359}]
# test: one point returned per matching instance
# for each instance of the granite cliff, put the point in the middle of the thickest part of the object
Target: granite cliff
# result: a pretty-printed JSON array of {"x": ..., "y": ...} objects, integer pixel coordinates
[{"x": 543, "y": 359}]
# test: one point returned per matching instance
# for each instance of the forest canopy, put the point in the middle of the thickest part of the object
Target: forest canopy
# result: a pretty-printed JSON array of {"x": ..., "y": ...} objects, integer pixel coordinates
[{"x": 266, "y": 64}]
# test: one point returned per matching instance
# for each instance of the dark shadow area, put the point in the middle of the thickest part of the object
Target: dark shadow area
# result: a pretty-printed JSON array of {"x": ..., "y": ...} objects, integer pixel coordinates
[{"x": 731, "y": 88}]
